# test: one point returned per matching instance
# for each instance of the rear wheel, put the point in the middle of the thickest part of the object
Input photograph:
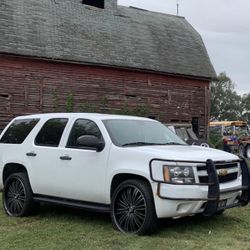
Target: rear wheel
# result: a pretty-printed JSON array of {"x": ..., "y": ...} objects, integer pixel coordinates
[
  {"x": 17, "y": 195},
  {"x": 133, "y": 208}
]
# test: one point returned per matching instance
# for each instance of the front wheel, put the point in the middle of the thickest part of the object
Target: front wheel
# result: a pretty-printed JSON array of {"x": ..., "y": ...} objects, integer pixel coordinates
[
  {"x": 132, "y": 208},
  {"x": 17, "y": 195}
]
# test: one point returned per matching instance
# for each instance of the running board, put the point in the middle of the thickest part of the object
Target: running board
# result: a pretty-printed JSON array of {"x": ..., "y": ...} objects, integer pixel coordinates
[{"x": 96, "y": 207}]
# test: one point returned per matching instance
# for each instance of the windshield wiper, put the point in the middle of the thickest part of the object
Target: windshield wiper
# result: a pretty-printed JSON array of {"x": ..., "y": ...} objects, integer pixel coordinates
[
  {"x": 150, "y": 144},
  {"x": 139, "y": 143},
  {"x": 172, "y": 143}
]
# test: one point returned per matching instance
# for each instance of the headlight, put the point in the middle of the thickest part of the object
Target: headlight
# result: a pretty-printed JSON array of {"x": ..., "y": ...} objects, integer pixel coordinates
[{"x": 177, "y": 174}]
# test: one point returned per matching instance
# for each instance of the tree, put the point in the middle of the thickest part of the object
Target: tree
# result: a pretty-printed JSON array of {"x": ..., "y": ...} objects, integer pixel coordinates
[
  {"x": 246, "y": 106},
  {"x": 225, "y": 102}
]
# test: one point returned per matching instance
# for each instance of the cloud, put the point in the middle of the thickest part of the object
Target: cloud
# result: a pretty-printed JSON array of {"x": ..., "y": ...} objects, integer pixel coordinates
[{"x": 224, "y": 26}]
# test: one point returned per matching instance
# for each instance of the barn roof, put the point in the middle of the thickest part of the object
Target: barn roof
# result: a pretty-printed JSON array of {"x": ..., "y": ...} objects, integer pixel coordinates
[{"x": 117, "y": 36}]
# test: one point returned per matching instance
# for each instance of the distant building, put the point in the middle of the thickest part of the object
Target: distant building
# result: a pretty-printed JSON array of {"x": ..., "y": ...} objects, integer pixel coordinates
[{"x": 55, "y": 53}]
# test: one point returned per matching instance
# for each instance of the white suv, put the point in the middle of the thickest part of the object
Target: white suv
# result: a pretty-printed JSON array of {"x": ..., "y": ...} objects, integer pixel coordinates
[{"x": 134, "y": 168}]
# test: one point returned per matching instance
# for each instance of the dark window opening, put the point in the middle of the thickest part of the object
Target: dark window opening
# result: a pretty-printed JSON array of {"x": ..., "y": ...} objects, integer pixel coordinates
[
  {"x": 195, "y": 125},
  {"x": 131, "y": 96},
  {"x": 95, "y": 3},
  {"x": 152, "y": 117},
  {"x": 174, "y": 121},
  {"x": 18, "y": 131},
  {"x": 51, "y": 132},
  {"x": 4, "y": 95}
]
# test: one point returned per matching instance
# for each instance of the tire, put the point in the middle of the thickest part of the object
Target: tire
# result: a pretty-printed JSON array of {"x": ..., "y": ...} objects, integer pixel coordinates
[
  {"x": 242, "y": 150},
  {"x": 17, "y": 195},
  {"x": 247, "y": 151},
  {"x": 132, "y": 208}
]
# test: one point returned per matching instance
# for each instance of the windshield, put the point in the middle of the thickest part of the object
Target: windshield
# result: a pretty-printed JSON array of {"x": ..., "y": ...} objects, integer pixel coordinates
[{"x": 140, "y": 133}]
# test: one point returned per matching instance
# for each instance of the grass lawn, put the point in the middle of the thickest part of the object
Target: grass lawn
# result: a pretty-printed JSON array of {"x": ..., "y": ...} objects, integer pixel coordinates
[{"x": 64, "y": 228}]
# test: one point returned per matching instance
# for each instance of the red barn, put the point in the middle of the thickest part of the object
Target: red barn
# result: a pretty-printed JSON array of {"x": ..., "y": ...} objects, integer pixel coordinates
[{"x": 97, "y": 56}]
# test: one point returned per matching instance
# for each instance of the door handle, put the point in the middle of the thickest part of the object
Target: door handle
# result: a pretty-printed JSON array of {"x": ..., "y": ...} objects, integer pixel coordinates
[
  {"x": 33, "y": 154},
  {"x": 65, "y": 158}
]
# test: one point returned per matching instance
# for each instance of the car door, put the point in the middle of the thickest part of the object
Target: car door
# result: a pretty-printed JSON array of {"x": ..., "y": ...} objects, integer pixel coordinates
[
  {"x": 43, "y": 155},
  {"x": 82, "y": 170}
]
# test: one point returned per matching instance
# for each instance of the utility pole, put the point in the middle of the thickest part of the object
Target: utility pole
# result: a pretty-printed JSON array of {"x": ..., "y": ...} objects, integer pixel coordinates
[{"x": 177, "y": 4}]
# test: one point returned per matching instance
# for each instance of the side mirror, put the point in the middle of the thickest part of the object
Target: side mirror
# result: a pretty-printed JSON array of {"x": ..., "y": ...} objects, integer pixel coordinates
[{"x": 91, "y": 141}]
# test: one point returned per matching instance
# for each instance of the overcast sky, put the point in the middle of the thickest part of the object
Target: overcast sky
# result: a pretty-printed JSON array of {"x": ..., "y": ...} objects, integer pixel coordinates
[{"x": 224, "y": 26}]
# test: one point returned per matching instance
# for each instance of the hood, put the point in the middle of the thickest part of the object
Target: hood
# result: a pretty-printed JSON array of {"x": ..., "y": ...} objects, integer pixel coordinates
[{"x": 185, "y": 153}]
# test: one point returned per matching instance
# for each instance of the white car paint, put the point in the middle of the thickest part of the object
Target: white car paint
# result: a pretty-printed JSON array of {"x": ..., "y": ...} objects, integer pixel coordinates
[{"x": 89, "y": 175}]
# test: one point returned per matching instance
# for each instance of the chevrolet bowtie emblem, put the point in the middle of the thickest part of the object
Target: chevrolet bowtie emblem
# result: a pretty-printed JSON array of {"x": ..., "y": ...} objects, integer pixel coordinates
[{"x": 223, "y": 172}]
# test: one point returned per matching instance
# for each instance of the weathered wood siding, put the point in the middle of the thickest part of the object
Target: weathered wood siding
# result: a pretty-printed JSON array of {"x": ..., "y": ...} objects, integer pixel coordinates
[{"x": 34, "y": 86}]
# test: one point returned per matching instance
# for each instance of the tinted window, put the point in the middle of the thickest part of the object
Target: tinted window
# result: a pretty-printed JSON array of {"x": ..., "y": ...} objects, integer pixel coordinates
[
  {"x": 51, "y": 132},
  {"x": 83, "y": 127},
  {"x": 18, "y": 131}
]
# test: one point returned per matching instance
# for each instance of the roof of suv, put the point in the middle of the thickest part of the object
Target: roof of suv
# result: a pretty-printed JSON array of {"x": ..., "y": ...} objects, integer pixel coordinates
[{"x": 83, "y": 115}]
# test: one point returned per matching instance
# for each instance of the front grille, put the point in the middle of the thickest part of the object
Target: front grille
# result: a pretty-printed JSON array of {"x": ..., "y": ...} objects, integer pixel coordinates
[
  {"x": 231, "y": 168},
  {"x": 222, "y": 179}
]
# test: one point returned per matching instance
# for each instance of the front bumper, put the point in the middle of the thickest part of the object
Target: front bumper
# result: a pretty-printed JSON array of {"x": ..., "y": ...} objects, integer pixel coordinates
[
  {"x": 209, "y": 198},
  {"x": 214, "y": 191}
]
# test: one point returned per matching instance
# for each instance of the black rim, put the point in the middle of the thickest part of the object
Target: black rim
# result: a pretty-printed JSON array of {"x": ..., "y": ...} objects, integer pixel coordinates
[
  {"x": 15, "y": 197},
  {"x": 129, "y": 209}
]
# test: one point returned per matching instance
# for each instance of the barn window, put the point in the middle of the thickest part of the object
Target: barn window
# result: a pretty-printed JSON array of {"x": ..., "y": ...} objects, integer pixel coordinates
[
  {"x": 95, "y": 3},
  {"x": 4, "y": 95},
  {"x": 195, "y": 124}
]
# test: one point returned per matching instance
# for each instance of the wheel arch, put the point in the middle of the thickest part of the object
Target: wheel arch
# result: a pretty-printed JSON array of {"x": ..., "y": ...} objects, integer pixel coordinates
[
  {"x": 120, "y": 177},
  {"x": 149, "y": 222},
  {"x": 11, "y": 168}
]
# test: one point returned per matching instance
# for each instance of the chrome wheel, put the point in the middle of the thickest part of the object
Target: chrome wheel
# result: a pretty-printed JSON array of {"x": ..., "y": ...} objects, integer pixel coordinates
[
  {"x": 14, "y": 197},
  {"x": 129, "y": 209}
]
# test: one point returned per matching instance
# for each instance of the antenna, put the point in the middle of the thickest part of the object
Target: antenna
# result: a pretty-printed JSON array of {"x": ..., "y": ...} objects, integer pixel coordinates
[{"x": 177, "y": 4}]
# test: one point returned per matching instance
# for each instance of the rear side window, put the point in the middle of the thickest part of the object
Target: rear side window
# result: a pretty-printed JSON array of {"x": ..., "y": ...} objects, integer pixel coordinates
[
  {"x": 51, "y": 132},
  {"x": 18, "y": 131}
]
